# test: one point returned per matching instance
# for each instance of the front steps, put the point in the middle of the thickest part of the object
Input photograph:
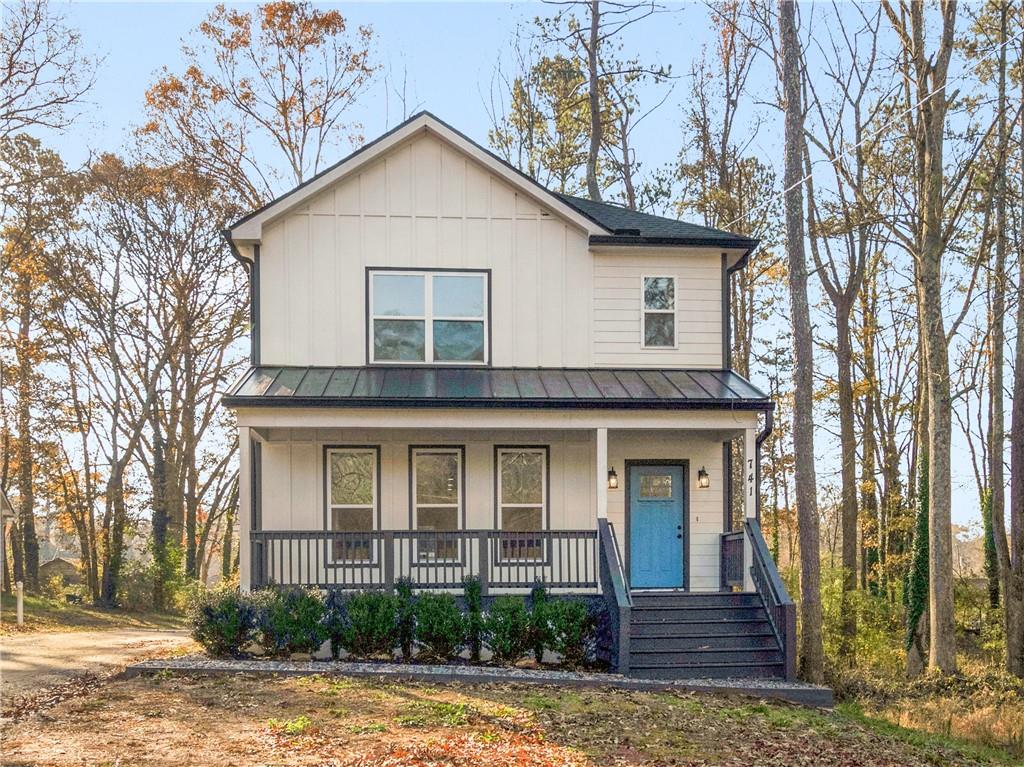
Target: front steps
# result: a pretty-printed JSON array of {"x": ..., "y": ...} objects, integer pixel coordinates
[{"x": 682, "y": 635}]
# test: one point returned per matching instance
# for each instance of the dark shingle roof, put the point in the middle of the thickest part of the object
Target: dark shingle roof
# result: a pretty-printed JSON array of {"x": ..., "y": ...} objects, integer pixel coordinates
[
  {"x": 407, "y": 386},
  {"x": 629, "y": 226}
]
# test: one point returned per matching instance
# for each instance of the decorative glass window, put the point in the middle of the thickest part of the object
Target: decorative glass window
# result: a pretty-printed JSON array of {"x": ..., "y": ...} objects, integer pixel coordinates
[
  {"x": 435, "y": 317},
  {"x": 522, "y": 501},
  {"x": 658, "y": 304},
  {"x": 437, "y": 499},
  {"x": 352, "y": 501},
  {"x": 656, "y": 486}
]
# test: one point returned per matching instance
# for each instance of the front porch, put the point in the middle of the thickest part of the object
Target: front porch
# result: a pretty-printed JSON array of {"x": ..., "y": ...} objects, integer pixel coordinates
[
  {"x": 612, "y": 484},
  {"x": 509, "y": 506}
]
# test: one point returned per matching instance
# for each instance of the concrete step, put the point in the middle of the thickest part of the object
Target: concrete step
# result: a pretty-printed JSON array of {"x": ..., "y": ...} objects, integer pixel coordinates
[
  {"x": 708, "y": 671},
  {"x": 643, "y": 599},
  {"x": 704, "y": 641},
  {"x": 659, "y": 628},
  {"x": 742, "y": 655}
]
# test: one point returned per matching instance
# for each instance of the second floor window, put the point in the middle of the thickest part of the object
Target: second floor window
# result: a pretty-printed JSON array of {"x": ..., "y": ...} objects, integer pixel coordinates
[
  {"x": 658, "y": 305},
  {"x": 429, "y": 317}
]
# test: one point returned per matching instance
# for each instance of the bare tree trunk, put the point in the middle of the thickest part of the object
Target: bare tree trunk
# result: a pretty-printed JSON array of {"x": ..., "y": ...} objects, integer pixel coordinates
[
  {"x": 1011, "y": 556},
  {"x": 26, "y": 491},
  {"x": 812, "y": 661},
  {"x": 848, "y": 447},
  {"x": 596, "y": 128}
]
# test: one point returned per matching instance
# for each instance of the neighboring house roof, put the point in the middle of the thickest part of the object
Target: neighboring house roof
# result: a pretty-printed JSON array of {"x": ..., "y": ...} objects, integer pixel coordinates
[
  {"x": 604, "y": 388},
  {"x": 606, "y": 224}
]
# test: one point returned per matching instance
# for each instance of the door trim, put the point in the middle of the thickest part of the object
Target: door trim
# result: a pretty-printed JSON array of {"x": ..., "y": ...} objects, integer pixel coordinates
[{"x": 684, "y": 464}]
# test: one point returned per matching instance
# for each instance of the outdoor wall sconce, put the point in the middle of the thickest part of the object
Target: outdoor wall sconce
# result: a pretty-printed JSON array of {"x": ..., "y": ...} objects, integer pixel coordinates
[
  {"x": 613, "y": 480},
  {"x": 703, "y": 480}
]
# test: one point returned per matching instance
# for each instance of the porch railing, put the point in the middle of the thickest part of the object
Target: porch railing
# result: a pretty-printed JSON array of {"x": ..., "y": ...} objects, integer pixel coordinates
[
  {"x": 562, "y": 559},
  {"x": 767, "y": 582},
  {"x": 731, "y": 568}
]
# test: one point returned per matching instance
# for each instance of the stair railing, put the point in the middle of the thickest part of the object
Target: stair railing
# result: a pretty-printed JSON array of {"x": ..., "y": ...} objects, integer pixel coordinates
[
  {"x": 615, "y": 589},
  {"x": 768, "y": 583}
]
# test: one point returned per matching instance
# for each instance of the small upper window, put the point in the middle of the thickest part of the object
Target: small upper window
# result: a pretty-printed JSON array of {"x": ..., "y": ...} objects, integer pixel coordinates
[
  {"x": 658, "y": 312},
  {"x": 437, "y": 317}
]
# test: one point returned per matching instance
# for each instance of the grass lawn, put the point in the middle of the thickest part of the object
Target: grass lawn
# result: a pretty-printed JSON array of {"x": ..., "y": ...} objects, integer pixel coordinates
[
  {"x": 44, "y": 614},
  {"x": 169, "y": 719}
]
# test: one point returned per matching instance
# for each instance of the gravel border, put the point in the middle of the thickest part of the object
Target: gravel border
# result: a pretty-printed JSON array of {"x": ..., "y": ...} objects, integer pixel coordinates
[{"x": 794, "y": 692}]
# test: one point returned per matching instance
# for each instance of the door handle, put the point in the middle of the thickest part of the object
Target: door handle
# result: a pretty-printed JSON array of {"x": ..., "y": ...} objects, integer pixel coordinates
[
  {"x": 679, "y": 527},
  {"x": 679, "y": 535}
]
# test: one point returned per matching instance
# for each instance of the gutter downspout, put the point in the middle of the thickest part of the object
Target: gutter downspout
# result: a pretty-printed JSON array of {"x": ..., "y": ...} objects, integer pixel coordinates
[{"x": 769, "y": 425}]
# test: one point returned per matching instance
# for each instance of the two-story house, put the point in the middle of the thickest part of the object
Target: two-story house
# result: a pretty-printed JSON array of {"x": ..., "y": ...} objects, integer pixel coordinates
[{"x": 456, "y": 371}]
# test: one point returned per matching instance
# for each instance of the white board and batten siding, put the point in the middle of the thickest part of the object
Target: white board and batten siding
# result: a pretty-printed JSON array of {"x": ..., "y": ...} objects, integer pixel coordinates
[{"x": 425, "y": 204}]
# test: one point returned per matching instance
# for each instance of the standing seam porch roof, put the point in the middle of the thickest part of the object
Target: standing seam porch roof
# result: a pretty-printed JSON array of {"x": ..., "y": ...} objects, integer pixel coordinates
[{"x": 545, "y": 388}]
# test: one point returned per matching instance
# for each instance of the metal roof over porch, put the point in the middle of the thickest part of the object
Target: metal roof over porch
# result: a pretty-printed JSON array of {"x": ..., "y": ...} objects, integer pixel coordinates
[{"x": 551, "y": 388}]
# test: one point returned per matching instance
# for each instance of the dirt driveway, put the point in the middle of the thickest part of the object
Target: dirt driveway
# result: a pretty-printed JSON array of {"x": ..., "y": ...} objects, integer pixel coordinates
[{"x": 32, "y": 662}]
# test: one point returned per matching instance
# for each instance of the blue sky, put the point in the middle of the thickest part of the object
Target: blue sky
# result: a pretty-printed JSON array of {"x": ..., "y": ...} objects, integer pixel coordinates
[{"x": 449, "y": 51}]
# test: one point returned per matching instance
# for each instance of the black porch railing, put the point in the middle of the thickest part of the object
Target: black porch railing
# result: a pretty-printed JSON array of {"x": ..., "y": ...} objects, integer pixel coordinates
[
  {"x": 768, "y": 584},
  {"x": 562, "y": 559},
  {"x": 731, "y": 566}
]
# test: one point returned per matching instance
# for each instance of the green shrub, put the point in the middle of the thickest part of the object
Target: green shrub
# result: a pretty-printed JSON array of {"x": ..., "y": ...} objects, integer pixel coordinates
[
  {"x": 335, "y": 619},
  {"x": 508, "y": 629},
  {"x": 540, "y": 625},
  {"x": 474, "y": 616},
  {"x": 572, "y": 631},
  {"x": 292, "y": 620},
  {"x": 222, "y": 620},
  {"x": 440, "y": 627},
  {"x": 406, "y": 616},
  {"x": 371, "y": 624}
]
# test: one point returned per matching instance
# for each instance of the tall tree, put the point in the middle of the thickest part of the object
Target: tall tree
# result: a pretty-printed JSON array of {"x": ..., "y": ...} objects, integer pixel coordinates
[
  {"x": 812, "y": 661},
  {"x": 39, "y": 196},
  {"x": 1011, "y": 553},
  {"x": 264, "y": 95},
  {"x": 43, "y": 70},
  {"x": 929, "y": 74}
]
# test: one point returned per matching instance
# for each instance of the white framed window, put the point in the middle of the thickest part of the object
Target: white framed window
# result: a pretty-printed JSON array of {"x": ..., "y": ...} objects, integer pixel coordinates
[
  {"x": 352, "y": 501},
  {"x": 522, "y": 501},
  {"x": 437, "y": 499},
  {"x": 658, "y": 312},
  {"x": 435, "y": 317}
]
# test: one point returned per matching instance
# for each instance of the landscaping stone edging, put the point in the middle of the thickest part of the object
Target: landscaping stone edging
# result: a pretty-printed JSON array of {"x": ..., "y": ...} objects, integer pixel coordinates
[{"x": 794, "y": 692}]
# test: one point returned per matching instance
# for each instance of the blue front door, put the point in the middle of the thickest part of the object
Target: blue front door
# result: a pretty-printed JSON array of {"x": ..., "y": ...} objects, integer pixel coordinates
[{"x": 656, "y": 535}]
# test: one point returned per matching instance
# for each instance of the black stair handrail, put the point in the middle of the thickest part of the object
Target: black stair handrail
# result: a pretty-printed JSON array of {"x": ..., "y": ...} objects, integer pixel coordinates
[
  {"x": 778, "y": 604},
  {"x": 615, "y": 590}
]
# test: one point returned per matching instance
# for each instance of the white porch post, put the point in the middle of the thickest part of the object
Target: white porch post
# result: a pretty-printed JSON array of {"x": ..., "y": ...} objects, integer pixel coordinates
[
  {"x": 601, "y": 472},
  {"x": 244, "y": 506},
  {"x": 750, "y": 491}
]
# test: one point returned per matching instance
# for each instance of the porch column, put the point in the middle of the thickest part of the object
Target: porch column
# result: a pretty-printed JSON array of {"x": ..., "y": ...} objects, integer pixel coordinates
[
  {"x": 601, "y": 472},
  {"x": 750, "y": 491},
  {"x": 244, "y": 507}
]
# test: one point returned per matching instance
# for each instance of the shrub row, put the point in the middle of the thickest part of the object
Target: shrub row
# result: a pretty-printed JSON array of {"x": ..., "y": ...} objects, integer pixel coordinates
[{"x": 374, "y": 624}]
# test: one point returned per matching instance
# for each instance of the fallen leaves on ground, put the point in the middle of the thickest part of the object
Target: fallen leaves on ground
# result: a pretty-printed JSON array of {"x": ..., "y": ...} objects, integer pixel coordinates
[{"x": 324, "y": 721}]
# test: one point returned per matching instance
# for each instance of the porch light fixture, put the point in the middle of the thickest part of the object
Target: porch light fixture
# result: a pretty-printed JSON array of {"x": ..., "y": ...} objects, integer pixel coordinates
[
  {"x": 613, "y": 480},
  {"x": 703, "y": 480}
]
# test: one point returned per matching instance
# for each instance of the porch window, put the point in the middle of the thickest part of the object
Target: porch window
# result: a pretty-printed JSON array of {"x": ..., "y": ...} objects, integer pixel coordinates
[
  {"x": 522, "y": 501},
  {"x": 658, "y": 304},
  {"x": 437, "y": 500},
  {"x": 352, "y": 502},
  {"x": 431, "y": 317}
]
